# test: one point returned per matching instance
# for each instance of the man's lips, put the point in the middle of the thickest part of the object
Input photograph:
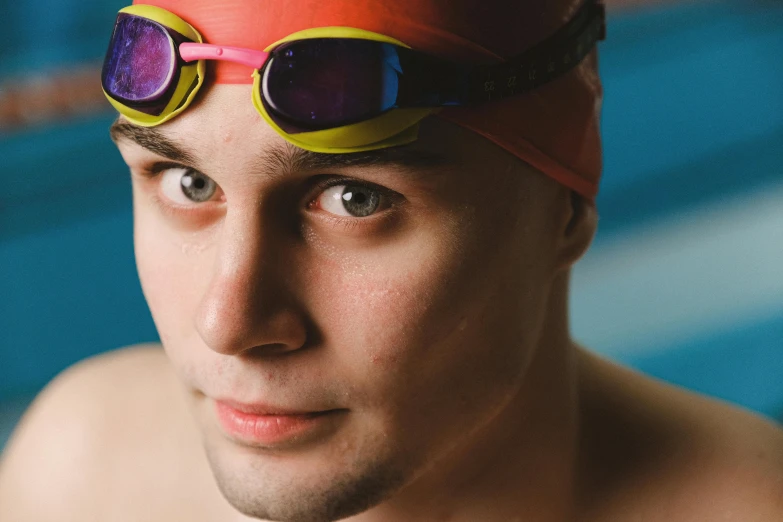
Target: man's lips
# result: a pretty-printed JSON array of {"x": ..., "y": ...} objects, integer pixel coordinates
[
  {"x": 258, "y": 408},
  {"x": 269, "y": 426}
]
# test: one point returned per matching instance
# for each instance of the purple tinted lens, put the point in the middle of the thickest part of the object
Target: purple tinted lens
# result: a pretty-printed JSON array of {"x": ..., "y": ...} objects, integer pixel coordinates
[
  {"x": 141, "y": 61},
  {"x": 329, "y": 82}
]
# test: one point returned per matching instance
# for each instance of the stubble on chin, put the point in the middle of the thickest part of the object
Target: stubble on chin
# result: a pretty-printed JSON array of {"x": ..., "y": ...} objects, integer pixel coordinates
[{"x": 335, "y": 495}]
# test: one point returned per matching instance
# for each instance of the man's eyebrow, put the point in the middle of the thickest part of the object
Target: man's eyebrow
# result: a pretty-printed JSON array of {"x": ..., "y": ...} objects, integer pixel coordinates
[
  {"x": 152, "y": 140},
  {"x": 289, "y": 158}
]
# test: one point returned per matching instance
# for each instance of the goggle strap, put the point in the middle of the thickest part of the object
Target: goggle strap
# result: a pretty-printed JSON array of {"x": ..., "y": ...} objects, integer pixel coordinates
[{"x": 544, "y": 62}]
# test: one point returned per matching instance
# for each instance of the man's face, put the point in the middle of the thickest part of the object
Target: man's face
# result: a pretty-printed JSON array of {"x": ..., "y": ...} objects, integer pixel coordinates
[{"x": 413, "y": 307}]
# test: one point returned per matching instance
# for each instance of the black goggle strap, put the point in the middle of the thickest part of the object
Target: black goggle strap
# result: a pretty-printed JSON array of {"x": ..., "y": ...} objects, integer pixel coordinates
[{"x": 544, "y": 62}]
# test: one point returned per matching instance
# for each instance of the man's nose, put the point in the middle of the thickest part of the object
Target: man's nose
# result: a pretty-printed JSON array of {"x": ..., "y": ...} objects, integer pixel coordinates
[{"x": 248, "y": 304}]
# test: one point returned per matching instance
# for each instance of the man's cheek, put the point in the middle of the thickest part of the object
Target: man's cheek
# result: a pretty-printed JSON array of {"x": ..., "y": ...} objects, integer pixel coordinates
[
  {"x": 170, "y": 277},
  {"x": 372, "y": 318}
]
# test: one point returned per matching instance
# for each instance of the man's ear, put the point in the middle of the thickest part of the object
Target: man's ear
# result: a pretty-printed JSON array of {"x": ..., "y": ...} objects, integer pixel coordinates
[{"x": 576, "y": 228}]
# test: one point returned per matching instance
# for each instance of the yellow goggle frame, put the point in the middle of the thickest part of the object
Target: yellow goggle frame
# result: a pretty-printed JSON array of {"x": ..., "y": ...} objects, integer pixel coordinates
[{"x": 395, "y": 127}]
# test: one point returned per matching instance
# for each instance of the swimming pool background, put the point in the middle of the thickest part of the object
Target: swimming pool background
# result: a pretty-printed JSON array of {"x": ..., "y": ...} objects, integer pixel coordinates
[{"x": 683, "y": 281}]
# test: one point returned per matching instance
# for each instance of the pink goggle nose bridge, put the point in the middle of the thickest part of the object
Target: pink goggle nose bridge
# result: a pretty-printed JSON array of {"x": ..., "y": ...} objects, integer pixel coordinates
[{"x": 191, "y": 52}]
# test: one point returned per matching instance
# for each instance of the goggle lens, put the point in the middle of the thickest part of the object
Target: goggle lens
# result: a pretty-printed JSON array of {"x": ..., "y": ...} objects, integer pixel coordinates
[
  {"x": 141, "y": 62},
  {"x": 326, "y": 82}
]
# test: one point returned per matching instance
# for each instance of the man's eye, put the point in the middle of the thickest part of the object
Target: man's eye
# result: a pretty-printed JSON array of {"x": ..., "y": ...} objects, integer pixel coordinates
[
  {"x": 350, "y": 199},
  {"x": 185, "y": 186}
]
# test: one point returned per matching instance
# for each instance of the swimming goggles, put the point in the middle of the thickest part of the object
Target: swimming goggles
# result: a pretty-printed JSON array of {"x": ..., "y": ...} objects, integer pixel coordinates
[{"x": 326, "y": 89}]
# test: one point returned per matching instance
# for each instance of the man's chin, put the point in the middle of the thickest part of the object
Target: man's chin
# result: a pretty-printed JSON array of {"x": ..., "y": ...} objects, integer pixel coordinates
[{"x": 289, "y": 490}]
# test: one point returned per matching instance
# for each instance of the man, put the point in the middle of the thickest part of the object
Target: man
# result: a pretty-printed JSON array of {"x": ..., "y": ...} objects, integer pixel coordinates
[{"x": 368, "y": 335}]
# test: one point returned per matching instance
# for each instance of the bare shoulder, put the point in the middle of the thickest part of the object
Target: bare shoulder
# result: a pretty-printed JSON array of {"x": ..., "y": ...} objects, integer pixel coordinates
[
  {"x": 95, "y": 436},
  {"x": 659, "y": 452}
]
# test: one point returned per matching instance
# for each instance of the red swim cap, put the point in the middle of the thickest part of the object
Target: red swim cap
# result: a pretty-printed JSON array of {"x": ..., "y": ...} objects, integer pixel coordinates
[{"x": 554, "y": 128}]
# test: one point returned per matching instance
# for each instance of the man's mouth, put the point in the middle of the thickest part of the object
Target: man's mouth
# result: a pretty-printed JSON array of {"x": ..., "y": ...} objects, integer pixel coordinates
[{"x": 269, "y": 425}]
